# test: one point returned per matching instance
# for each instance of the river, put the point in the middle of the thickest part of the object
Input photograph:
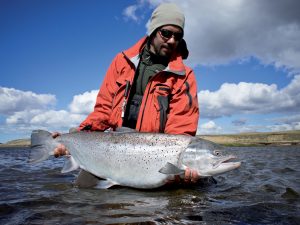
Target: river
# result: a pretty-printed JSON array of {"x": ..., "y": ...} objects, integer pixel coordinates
[{"x": 264, "y": 190}]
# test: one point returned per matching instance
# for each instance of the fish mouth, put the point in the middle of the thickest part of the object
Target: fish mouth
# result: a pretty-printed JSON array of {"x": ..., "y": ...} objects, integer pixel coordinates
[{"x": 226, "y": 164}]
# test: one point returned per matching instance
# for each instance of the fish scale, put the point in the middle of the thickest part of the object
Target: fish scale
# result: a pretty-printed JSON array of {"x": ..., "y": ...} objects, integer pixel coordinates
[
  {"x": 139, "y": 160},
  {"x": 108, "y": 158}
]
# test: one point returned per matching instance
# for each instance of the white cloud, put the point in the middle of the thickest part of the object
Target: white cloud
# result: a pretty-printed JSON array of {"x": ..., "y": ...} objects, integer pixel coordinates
[
  {"x": 83, "y": 103},
  {"x": 232, "y": 30},
  {"x": 287, "y": 119},
  {"x": 252, "y": 98},
  {"x": 291, "y": 122},
  {"x": 13, "y": 100},
  {"x": 59, "y": 118},
  {"x": 49, "y": 119},
  {"x": 285, "y": 127},
  {"x": 28, "y": 110},
  {"x": 219, "y": 32},
  {"x": 209, "y": 128},
  {"x": 130, "y": 12},
  {"x": 23, "y": 117}
]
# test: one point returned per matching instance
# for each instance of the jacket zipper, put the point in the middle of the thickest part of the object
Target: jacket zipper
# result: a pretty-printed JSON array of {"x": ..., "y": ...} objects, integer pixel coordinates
[
  {"x": 149, "y": 84},
  {"x": 143, "y": 72},
  {"x": 142, "y": 116}
]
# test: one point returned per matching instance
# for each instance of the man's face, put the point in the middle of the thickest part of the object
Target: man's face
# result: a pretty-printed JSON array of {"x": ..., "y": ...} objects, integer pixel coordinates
[{"x": 166, "y": 40}]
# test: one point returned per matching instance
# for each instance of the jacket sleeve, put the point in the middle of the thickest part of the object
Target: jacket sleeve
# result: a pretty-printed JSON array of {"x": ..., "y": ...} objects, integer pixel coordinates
[
  {"x": 99, "y": 118},
  {"x": 183, "y": 109}
]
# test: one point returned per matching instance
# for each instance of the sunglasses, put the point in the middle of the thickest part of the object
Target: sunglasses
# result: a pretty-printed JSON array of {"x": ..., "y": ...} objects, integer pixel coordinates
[{"x": 167, "y": 34}]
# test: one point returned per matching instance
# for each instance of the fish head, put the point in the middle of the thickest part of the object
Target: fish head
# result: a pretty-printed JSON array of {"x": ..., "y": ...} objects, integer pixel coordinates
[{"x": 208, "y": 159}]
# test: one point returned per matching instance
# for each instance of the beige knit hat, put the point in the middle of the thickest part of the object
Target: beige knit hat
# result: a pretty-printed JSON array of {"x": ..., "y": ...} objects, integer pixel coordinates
[{"x": 166, "y": 14}]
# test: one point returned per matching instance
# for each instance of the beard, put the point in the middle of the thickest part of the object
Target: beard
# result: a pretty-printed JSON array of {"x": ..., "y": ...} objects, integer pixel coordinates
[{"x": 164, "y": 50}]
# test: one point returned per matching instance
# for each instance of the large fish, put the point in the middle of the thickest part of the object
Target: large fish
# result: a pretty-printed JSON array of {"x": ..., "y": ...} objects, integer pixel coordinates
[{"x": 133, "y": 159}]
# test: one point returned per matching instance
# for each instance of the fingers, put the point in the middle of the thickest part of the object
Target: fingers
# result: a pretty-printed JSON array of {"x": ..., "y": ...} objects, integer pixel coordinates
[
  {"x": 195, "y": 176},
  {"x": 191, "y": 176},
  {"x": 187, "y": 175},
  {"x": 176, "y": 180},
  {"x": 55, "y": 134},
  {"x": 60, "y": 150}
]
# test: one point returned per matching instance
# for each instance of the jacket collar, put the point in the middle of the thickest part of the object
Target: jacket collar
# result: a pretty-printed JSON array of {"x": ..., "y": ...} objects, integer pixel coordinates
[{"x": 175, "y": 65}]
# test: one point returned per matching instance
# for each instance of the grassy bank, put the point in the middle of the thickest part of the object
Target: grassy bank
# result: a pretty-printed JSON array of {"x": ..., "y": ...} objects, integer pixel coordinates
[
  {"x": 244, "y": 139},
  {"x": 256, "y": 139},
  {"x": 16, "y": 143}
]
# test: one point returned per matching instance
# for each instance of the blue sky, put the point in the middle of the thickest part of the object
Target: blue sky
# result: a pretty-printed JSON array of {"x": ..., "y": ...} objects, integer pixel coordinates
[{"x": 54, "y": 55}]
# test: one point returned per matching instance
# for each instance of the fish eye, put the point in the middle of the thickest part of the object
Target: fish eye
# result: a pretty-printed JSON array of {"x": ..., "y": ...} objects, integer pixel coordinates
[{"x": 217, "y": 152}]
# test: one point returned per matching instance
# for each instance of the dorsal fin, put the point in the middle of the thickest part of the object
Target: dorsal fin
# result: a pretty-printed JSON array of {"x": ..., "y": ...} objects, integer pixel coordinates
[{"x": 125, "y": 130}]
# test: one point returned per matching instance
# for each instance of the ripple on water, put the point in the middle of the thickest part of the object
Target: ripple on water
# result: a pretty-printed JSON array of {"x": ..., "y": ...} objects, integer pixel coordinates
[
  {"x": 260, "y": 213},
  {"x": 284, "y": 170},
  {"x": 53, "y": 217},
  {"x": 264, "y": 190},
  {"x": 290, "y": 194},
  {"x": 6, "y": 209},
  {"x": 270, "y": 188}
]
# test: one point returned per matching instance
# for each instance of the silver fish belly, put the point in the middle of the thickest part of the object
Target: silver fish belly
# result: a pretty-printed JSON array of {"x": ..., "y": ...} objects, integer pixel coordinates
[
  {"x": 127, "y": 159},
  {"x": 139, "y": 160}
]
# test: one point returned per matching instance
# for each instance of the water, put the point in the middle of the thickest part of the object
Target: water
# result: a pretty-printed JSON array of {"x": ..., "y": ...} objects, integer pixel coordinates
[{"x": 265, "y": 190}]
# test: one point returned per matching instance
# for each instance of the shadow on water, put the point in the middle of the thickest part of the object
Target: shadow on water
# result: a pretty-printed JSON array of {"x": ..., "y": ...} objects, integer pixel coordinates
[{"x": 265, "y": 190}]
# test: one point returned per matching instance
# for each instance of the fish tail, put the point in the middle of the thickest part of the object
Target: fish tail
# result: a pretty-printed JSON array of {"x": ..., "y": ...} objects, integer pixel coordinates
[{"x": 42, "y": 146}]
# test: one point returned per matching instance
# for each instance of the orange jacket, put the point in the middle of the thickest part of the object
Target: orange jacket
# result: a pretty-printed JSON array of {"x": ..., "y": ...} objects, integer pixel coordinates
[{"x": 169, "y": 103}]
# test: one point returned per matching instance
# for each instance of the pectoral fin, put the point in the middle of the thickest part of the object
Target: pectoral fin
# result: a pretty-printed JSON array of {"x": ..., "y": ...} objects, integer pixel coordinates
[
  {"x": 86, "y": 180},
  {"x": 105, "y": 184},
  {"x": 171, "y": 169},
  {"x": 125, "y": 130},
  {"x": 70, "y": 165}
]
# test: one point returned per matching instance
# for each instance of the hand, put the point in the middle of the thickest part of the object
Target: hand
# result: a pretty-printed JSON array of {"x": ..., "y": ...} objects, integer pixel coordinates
[
  {"x": 60, "y": 150},
  {"x": 190, "y": 177}
]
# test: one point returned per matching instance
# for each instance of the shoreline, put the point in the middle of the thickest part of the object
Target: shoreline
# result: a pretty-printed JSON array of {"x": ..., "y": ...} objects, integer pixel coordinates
[
  {"x": 283, "y": 138},
  {"x": 18, "y": 143}
]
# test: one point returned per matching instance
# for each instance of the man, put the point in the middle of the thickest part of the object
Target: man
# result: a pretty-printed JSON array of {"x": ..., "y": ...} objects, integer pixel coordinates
[{"x": 148, "y": 87}]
